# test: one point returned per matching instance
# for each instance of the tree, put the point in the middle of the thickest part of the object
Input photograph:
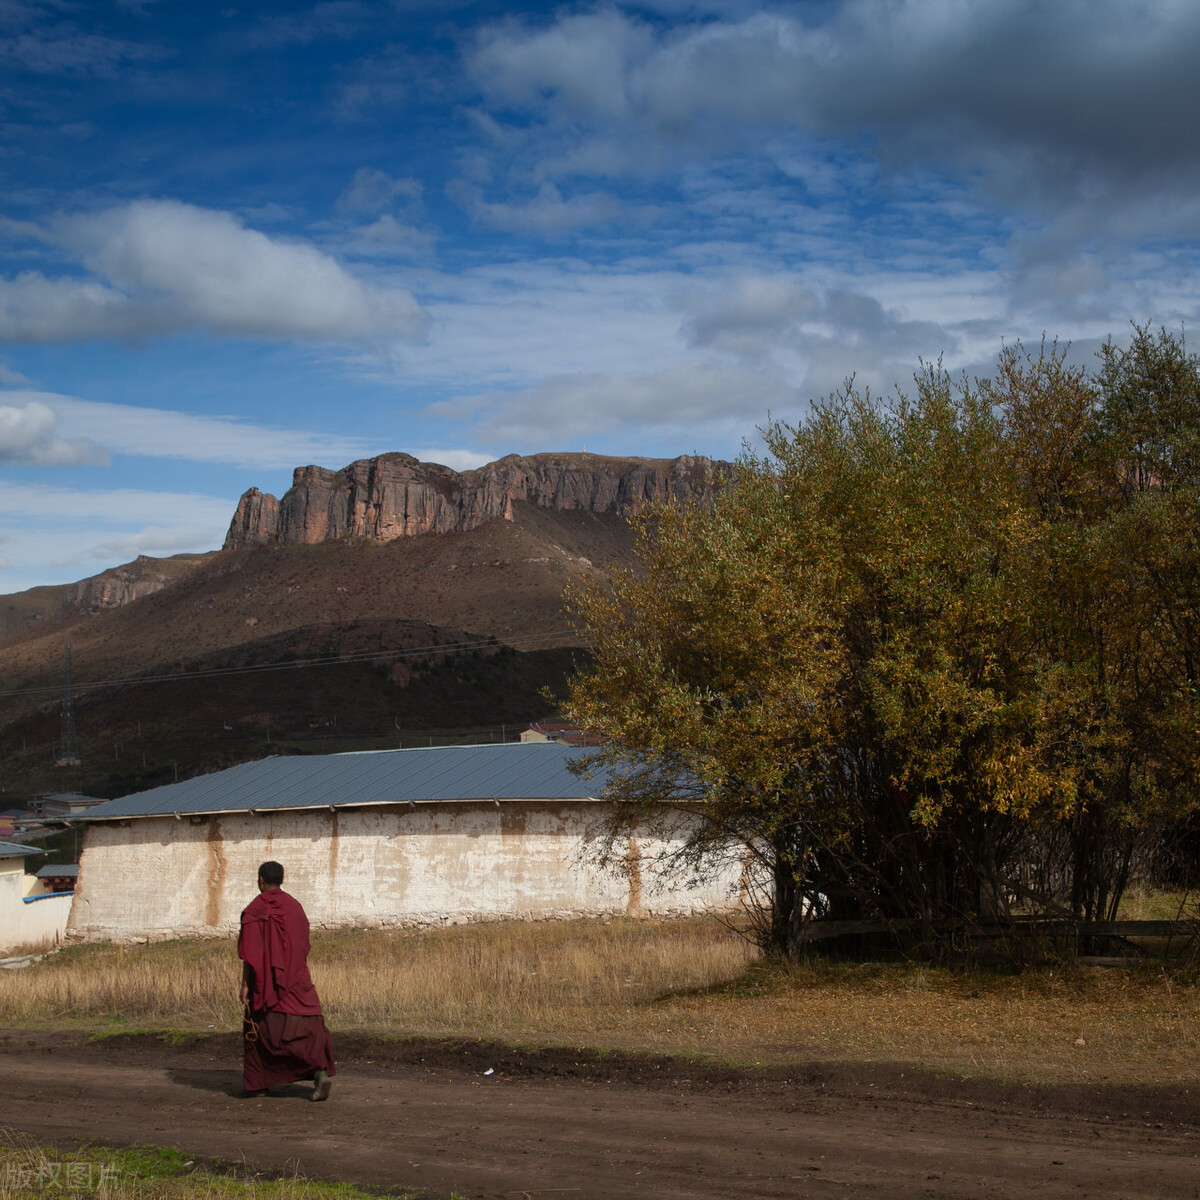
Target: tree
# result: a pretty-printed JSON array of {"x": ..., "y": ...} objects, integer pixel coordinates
[{"x": 919, "y": 644}]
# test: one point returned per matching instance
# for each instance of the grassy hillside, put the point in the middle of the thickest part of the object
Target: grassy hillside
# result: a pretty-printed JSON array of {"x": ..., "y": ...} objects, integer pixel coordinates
[
  {"x": 150, "y": 705},
  {"x": 23, "y": 611}
]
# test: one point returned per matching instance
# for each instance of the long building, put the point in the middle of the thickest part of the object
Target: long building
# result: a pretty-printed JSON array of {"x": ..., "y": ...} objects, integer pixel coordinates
[{"x": 385, "y": 838}]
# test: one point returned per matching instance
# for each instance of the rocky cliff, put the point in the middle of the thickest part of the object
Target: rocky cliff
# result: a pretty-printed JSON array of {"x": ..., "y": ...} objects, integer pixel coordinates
[
  {"x": 397, "y": 496},
  {"x": 122, "y": 585}
]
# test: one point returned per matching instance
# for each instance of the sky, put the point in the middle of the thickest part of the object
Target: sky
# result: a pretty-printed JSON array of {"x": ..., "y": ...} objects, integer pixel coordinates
[{"x": 239, "y": 239}]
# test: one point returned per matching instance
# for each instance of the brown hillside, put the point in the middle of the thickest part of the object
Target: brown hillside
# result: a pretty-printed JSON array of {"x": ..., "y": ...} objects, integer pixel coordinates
[
  {"x": 271, "y": 604},
  {"x": 44, "y": 609},
  {"x": 504, "y": 579},
  {"x": 359, "y": 685}
]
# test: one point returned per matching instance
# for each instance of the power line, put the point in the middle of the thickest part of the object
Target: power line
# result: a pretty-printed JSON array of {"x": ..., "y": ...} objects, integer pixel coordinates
[
  {"x": 70, "y": 751},
  {"x": 557, "y": 639}
]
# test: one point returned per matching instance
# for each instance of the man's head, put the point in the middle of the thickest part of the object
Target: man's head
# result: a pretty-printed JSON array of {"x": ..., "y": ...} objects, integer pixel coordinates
[{"x": 270, "y": 875}]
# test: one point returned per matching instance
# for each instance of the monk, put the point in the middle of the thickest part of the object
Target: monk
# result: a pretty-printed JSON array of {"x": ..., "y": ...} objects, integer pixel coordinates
[{"x": 284, "y": 1033}]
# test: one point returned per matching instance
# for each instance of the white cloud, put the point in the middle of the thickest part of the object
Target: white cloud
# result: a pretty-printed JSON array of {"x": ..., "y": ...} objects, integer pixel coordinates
[
  {"x": 690, "y": 401},
  {"x": 391, "y": 208},
  {"x": 387, "y": 237},
  {"x": 372, "y": 191},
  {"x": 159, "y": 541},
  {"x": 504, "y": 331},
  {"x": 28, "y": 438},
  {"x": 114, "y": 508},
  {"x": 159, "y": 266},
  {"x": 11, "y": 378},
  {"x": 583, "y": 59},
  {"x": 547, "y": 215},
  {"x": 155, "y": 432},
  {"x": 750, "y": 314},
  {"x": 505, "y": 325},
  {"x": 59, "y": 534},
  {"x": 456, "y": 460},
  {"x": 1072, "y": 104},
  {"x": 535, "y": 353}
]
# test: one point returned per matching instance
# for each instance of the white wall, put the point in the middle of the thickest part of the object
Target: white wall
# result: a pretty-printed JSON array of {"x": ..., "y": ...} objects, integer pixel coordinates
[
  {"x": 33, "y": 926},
  {"x": 160, "y": 877}
]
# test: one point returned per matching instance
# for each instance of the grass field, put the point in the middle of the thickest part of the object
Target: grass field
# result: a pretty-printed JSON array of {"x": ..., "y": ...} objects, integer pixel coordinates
[
  {"x": 32, "y": 1171},
  {"x": 691, "y": 987}
]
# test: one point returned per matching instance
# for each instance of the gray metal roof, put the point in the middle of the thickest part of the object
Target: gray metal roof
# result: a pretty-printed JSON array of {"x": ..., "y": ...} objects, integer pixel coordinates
[
  {"x": 508, "y": 771},
  {"x": 57, "y": 871},
  {"x": 13, "y": 849}
]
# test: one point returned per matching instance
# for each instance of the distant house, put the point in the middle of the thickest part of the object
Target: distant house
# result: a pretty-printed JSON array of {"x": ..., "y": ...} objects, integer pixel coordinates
[
  {"x": 568, "y": 735},
  {"x": 11, "y": 819},
  {"x": 30, "y": 918},
  {"x": 394, "y": 837},
  {"x": 61, "y": 804}
]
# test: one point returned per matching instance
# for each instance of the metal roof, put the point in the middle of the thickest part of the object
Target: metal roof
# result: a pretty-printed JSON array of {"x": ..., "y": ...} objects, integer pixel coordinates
[
  {"x": 57, "y": 871},
  {"x": 13, "y": 849},
  {"x": 439, "y": 774}
]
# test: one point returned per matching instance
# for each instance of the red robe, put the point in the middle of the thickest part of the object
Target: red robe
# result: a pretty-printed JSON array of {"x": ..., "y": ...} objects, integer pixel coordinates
[
  {"x": 286, "y": 1038},
  {"x": 274, "y": 942}
]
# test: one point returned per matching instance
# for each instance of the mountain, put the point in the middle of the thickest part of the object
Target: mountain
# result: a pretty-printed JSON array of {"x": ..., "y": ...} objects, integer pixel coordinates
[
  {"x": 395, "y": 495},
  {"x": 67, "y": 602},
  {"x": 392, "y": 601}
]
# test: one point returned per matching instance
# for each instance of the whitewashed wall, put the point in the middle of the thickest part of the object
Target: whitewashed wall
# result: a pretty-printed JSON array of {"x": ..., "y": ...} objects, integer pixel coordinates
[
  {"x": 34, "y": 926},
  {"x": 160, "y": 877}
]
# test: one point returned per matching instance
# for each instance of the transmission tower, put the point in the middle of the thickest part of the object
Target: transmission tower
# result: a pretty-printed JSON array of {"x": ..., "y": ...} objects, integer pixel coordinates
[{"x": 70, "y": 751}]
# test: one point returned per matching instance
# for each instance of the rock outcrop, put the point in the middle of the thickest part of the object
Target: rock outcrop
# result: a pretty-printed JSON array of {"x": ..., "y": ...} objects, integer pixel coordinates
[
  {"x": 124, "y": 584},
  {"x": 396, "y": 495}
]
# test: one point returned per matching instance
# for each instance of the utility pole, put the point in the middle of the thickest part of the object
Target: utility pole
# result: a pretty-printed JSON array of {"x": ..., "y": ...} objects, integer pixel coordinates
[{"x": 70, "y": 751}]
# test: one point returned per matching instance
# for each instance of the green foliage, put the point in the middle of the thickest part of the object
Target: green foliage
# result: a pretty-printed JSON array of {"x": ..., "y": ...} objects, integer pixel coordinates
[{"x": 928, "y": 655}]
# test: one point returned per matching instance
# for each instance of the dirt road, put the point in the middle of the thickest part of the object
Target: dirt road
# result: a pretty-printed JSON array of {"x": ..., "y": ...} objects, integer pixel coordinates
[{"x": 558, "y": 1125}]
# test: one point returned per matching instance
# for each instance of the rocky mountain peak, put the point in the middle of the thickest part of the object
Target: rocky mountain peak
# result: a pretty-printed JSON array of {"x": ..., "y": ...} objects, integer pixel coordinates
[{"x": 396, "y": 495}]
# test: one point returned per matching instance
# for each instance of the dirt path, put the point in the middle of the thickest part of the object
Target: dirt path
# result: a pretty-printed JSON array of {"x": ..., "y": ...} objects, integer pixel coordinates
[{"x": 557, "y": 1126}]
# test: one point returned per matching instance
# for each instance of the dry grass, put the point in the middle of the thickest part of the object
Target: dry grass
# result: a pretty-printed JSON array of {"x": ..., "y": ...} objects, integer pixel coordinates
[
  {"x": 1132, "y": 1026},
  {"x": 682, "y": 987},
  {"x": 507, "y": 979},
  {"x": 1141, "y": 903},
  {"x": 519, "y": 980}
]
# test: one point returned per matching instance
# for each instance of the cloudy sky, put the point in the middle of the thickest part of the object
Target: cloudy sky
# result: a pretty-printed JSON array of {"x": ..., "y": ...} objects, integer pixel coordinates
[{"x": 240, "y": 239}]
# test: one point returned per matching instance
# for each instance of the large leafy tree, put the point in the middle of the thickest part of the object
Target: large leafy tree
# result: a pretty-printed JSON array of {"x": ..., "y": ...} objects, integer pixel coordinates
[{"x": 923, "y": 655}]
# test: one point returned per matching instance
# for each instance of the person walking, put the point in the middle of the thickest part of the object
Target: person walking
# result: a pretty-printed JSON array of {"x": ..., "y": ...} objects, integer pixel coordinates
[{"x": 284, "y": 1037}]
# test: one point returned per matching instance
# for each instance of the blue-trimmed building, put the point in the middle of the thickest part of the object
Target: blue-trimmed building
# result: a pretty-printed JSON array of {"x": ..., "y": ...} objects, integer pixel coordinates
[{"x": 27, "y": 926}]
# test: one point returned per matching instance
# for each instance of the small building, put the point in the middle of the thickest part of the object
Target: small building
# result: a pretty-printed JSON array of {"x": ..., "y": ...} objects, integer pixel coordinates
[
  {"x": 52, "y": 805},
  {"x": 31, "y": 919},
  {"x": 395, "y": 837},
  {"x": 58, "y": 877},
  {"x": 12, "y": 819},
  {"x": 552, "y": 731}
]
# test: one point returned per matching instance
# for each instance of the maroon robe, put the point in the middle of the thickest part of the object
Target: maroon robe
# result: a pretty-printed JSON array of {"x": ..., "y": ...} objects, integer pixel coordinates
[{"x": 286, "y": 1034}]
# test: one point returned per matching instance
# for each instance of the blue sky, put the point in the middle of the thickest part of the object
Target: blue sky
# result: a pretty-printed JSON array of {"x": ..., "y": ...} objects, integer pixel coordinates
[{"x": 235, "y": 240}]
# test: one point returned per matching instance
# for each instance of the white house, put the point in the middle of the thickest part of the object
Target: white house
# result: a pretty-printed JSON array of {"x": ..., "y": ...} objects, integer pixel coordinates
[
  {"x": 393, "y": 837},
  {"x": 30, "y": 918}
]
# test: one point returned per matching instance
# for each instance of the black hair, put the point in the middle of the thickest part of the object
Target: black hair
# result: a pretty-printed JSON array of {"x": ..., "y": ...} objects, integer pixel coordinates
[{"x": 271, "y": 873}]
